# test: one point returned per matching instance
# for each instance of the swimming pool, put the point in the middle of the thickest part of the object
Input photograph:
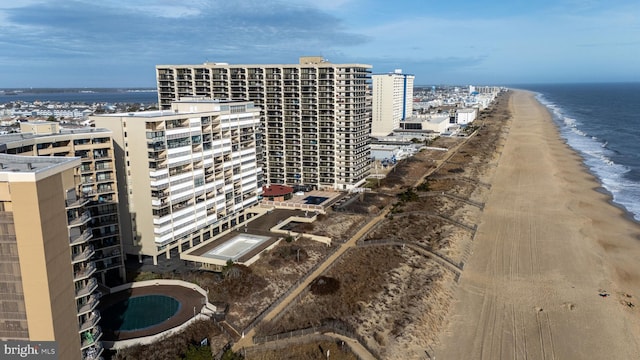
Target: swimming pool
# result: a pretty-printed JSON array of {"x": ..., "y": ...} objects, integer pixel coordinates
[
  {"x": 139, "y": 312},
  {"x": 315, "y": 200},
  {"x": 236, "y": 247}
]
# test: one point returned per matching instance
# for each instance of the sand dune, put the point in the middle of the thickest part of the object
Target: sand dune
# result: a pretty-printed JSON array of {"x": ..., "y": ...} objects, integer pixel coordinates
[{"x": 555, "y": 269}]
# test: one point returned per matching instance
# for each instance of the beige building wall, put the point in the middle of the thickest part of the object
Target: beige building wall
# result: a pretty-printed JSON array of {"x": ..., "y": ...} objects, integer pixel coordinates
[
  {"x": 37, "y": 204},
  {"x": 134, "y": 198},
  {"x": 316, "y": 115},
  {"x": 392, "y": 101},
  {"x": 95, "y": 180}
]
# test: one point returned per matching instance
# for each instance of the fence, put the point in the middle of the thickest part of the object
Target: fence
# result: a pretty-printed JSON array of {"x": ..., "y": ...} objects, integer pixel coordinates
[
  {"x": 293, "y": 287},
  {"x": 292, "y": 205},
  {"x": 331, "y": 326}
]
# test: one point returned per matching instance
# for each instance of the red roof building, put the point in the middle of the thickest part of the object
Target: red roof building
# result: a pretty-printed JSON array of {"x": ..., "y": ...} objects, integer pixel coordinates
[{"x": 277, "y": 192}]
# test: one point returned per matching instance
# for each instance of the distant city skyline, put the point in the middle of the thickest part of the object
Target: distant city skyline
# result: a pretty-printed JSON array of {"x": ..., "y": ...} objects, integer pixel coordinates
[{"x": 80, "y": 43}]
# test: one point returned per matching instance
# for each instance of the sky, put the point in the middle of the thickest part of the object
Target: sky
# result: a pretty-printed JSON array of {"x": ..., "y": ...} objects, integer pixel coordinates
[{"x": 118, "y": 43}]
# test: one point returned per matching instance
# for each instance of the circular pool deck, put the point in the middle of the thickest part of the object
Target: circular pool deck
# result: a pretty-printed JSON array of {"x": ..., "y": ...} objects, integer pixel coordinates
[{"x": 188, "y": 298}]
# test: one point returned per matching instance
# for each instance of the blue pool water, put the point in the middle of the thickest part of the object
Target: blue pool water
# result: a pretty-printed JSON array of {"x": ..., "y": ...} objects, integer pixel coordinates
[
  {"x": 315, "y": 200},
  {"x": 139, "y": 312}
]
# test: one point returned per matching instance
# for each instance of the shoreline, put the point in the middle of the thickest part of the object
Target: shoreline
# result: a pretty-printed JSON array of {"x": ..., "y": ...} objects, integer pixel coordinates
[
  {"x": 552, "y": 259},
  {"x": 625, "y": 213},
  {"x": 601, "y": 188}
]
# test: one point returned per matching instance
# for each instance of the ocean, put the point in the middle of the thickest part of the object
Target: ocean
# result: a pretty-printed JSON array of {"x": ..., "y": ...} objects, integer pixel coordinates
[
  {"x": 602, "y": 123},
  {"x": 88, "y": 96}
]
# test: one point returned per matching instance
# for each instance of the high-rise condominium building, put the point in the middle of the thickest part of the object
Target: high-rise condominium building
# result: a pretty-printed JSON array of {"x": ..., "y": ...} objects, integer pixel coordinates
[
  {"x": 392, "y": 101},
  {"x": 95, "y": 179},
  {"x": 315, "y": 117},
  {"x": 47, "y": 292},
  {"x": 185, "y": 174}
]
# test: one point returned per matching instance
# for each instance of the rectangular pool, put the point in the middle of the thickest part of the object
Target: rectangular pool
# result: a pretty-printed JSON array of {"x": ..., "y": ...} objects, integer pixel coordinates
[{"x": 236, "y": 247}]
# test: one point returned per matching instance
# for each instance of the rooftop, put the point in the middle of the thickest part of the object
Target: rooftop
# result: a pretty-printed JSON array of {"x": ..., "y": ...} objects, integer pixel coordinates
[
  {"x": 181, "y": 106},
  {"x": 13, "y": 167},
  {"x": 8, "y": 138},
  {"x": 276, "y": 190}
]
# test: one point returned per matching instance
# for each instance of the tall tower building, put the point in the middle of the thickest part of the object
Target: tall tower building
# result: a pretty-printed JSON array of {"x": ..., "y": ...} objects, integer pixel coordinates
[
  {"x": 47, "y": 292},
  {"x": 95, "y": 180},
  {"x": 314, "y": 115},
  {"x": 392, "y": 101},
  {"x": 185, "y": 174}
]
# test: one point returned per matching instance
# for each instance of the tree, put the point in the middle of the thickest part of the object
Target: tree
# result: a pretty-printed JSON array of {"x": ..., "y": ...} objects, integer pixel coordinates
[
  {"x": 230, "y": 355},
  {"x": 198, "y": 353}
]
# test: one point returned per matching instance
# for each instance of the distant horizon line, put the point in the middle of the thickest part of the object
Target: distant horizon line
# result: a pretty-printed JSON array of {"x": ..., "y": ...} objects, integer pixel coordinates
[{"x": 151, "y": 88}]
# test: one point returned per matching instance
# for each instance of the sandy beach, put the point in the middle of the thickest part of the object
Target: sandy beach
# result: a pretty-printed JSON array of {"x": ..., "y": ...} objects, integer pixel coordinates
[{"x": 555, "y": 268}]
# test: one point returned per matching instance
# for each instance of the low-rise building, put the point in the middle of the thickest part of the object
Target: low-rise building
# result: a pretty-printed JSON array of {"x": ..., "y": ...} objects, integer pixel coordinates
[
  {"x": 465, "y": 116},
  {"x": 437, "y": 123}
]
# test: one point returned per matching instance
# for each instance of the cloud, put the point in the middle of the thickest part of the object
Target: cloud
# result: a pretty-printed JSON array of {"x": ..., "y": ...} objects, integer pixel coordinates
[
  {"x": 121, "y": 35},
  {"x": 121, "y": 28}
]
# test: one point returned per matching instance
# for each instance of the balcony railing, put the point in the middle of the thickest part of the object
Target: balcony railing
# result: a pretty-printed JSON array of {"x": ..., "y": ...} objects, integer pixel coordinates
[
  {"x": 84, "y": 255},
  {"x": 80, "y": 219},
  {"x": 93, "y": 352},
  {"x": 83, "y": 237},
  {"x": 89, "y": 305},
  {"x": 91, "y": 321},
  {"x": 80, "y": 201},
  {"x": 85, "y": 273},
  {"x": 91, "y": 337},
  {"x": 90, "y": 286}
]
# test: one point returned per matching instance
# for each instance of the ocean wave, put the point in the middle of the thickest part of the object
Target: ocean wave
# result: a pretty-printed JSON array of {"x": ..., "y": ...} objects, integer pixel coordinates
[{"x": 598, "y": 158}]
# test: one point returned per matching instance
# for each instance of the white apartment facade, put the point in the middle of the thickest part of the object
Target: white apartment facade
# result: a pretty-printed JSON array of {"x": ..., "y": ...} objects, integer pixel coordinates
[
  {"x": 465, "y": 116},
  {"x": 315, "y": 117},
  {"x": 186, "y": 174},
  {"x": 392, "y": 101}
]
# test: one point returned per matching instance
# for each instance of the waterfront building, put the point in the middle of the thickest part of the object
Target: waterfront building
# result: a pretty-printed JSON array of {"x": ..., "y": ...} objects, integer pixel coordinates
[
  {"x": 47, "y": 291},
  {"x": 425, "y": 124},
  {"x": 185, "y": 174},
  {"x": 392, "y": 101},
  {"x": 315, "y": 115},
  {"x": 465, "y": 116},
  {"x": 95, "y": 179}
]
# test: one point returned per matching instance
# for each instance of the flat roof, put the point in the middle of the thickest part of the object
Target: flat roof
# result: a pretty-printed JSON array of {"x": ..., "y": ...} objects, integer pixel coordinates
[
  {"x": 32, "y": 168},
  {"x": 224, "y": 106},
  {"x": 12, "y": 137}
]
